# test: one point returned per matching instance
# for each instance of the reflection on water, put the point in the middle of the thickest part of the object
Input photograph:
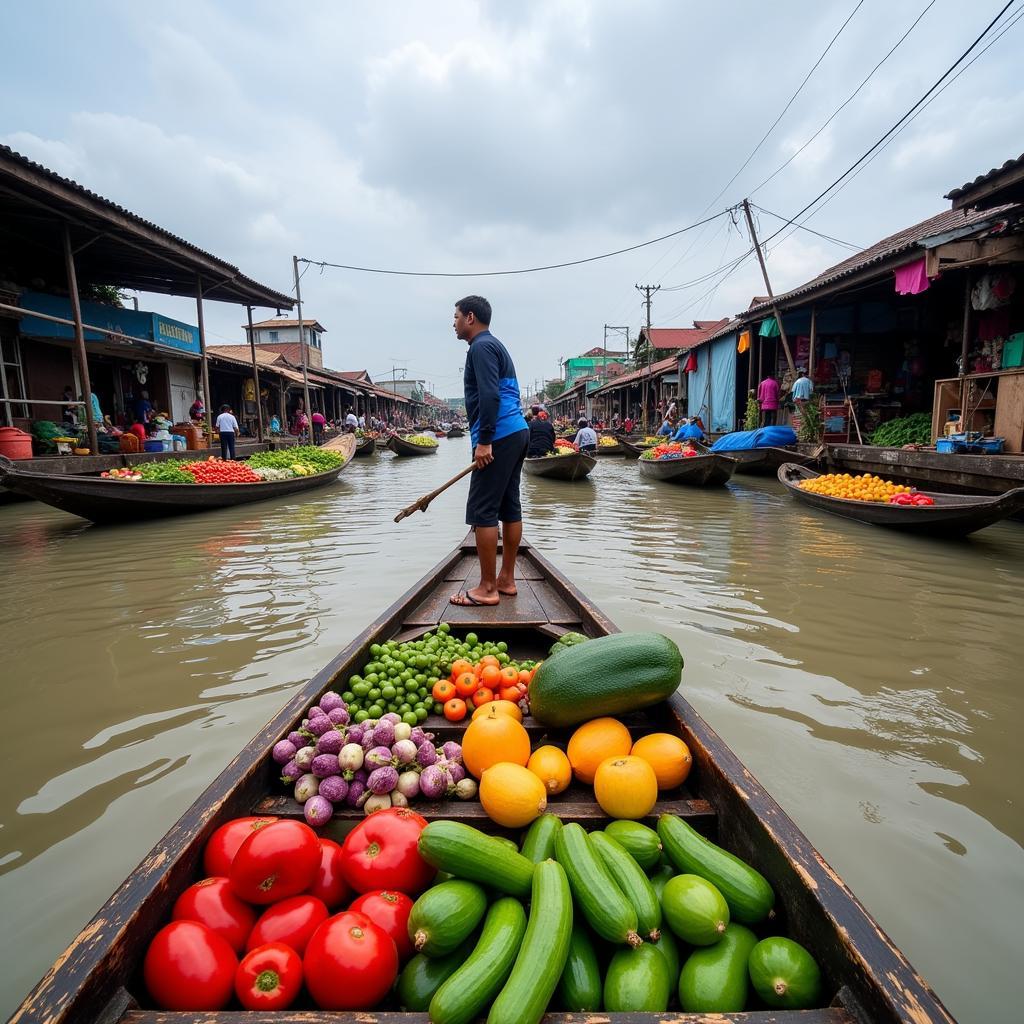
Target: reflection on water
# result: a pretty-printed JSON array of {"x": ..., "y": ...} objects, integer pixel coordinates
[{"x": 865, "y": 677}]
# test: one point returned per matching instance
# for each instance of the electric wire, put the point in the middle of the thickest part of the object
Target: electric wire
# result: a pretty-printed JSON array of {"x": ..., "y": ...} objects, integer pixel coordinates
[{"x": 828, "y": 238}]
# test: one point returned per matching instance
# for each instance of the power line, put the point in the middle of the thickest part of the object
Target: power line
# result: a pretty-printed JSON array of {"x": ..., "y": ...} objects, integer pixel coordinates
[
  {"x": 505, "y": 273},
  {"x": 848, "y": 99},
  {"x": 828, "y": 238}
]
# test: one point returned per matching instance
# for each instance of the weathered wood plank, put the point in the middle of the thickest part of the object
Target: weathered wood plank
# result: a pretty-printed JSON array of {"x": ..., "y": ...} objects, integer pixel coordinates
[{"x": 555, "y": 608}]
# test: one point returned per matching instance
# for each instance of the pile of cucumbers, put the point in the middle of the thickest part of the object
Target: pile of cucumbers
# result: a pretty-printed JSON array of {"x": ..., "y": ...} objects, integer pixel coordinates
[{"x": 622, "y": 920}]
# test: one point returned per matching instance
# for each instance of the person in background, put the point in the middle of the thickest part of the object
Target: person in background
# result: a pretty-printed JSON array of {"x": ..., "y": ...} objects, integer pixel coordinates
[
  {"x": 802, "y": 388},
  {"x": 319, "y": 422},
  {"x": 627, "y": 425},
  {"x": 197, "y": 411},
  {"x": 275, "y": 424},
  {"x": 142, "y": 407},
  {"x": 672, "y": 413},
  {"x": 665, "y": 430},
  {"x": 351, "y": 422},
  {"x": 586, "y": 436},
  {"x": 689, "y": 430},
  {"x": 768, "y": 400},
  {"x": 362, "y": 422},
  {"x": 69, "y": 413},
  {"x": 228, "y": 427},
  {"x": 542, "y": 434}
]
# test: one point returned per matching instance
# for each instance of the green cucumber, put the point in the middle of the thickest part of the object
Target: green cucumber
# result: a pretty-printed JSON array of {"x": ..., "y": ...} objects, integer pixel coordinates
[
  {"x": 507, "y": 843},
  {"x": 637, "y": 982},
  {"x": 539, "y": 841},
  {"x": 466, "y": 852},
  {"x": 714, "y": 979},
  {"x": 660, "y": 877},
  {"x": 641, "y": 843},
  {"x": 669, "y": 947},
  {"x": 445, "y": 916},
  {"x": 695, "y": 910},
  {"x": 422, "y": 976},
  {"x": 543, "y": 951},
  {"x": 747, "y": 891},
  {"x": 634, "y": 884},
  {"x": 610, "y": 675},
  {"x": 784, "y": 974},
  {"x": 603, "y": 903},
  {"x": 464, "y": 995},
  {"x": 579, "y": 988}
]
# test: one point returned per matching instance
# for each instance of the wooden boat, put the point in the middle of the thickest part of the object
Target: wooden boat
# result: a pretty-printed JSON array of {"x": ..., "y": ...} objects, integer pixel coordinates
[
  {"x": 766, "y": 461},
  {"x": 952, "y": 515},
  {"x": 616, "y": 449},
  {"x": 382, "y": 442},
  {"x": 402, "y": 447},
  {"x": 636, "y": 447},
  {"x": 104, "y": 500},
  {"x": 366, "y": 447},
  {"x": 456, "y": 432},
  {"x": 866, "y": 978},
  {"x": 561, "y": 467},
  {"x": 441, "y": 433},
  {"x": 705, "y": 470}
]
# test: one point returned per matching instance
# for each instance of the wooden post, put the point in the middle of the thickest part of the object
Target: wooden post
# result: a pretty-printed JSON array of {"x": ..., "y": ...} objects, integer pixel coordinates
[
  {"x": 208, "y": 397},
  {"x": 255, "y": 379},
  {"x": 964, "y": 345},
  {"x": 82, "y": 359},
  {"x": 768, "y": 285},
  {"x": 813, "y": 343}
]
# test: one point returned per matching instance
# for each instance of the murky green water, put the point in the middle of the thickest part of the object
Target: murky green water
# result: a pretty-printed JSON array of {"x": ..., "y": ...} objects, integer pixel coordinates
[{"x": 868, "y": 680}]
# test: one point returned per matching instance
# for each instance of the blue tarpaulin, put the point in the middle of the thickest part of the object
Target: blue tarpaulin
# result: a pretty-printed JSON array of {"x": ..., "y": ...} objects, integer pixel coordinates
[
  {"x": 698, "y": 392},
  {"x": 723, "y": 384},
  {"x": 766, "y": 437}
]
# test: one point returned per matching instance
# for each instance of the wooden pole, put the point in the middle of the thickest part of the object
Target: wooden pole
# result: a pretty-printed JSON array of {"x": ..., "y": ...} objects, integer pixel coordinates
[
  {"x": 207, "y": 396},
  {"x": 421, "y": 503},
  {"x": 255, "y": 379},
  {"x": 83, "y": 362},
  {"x": 813, "y": 343},
  {"x": 768, "y": 285},
  {"x": 965, "y": 336},
  {"x": 302, "y": 350}
]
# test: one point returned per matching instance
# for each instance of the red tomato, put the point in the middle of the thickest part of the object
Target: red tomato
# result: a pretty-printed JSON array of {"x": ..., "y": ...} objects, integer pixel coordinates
[
  {"x": 189, "y": 967},
  {"x": 329, "y": 884},
  {"x": 482, "y": 696},
  {"x": 291, "y": 922},
  {"x": 381, "y": 853},
  {"x": 390, "y": 910},
  {"x": 276, "y": 862},
  {"x": 350, "y": 963},
  {"x": 269, "y": 978},
  {"x": 224, "y": 844},
  {"x": 211, "y": 902}
]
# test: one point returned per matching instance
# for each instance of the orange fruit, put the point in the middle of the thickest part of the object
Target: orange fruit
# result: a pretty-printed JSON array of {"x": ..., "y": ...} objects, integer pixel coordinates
[
  {"x": 510, "y": 693},
  {"x": 482, "y": 696},
  {"x": 509, "y": 676},
  {"x": 668, "y": 755},
  {"x": 595, "y": 741},
  {"x": 552, "y": 767},
  {"x": 467, "y": 684},
  {"x": 489, "y": 740},
  {"x": 443, "y": 691},
  {"x": 525, "y": 676},
  {"x": 625, "y": 787},
  {"x": 499, "y": 707},
  {"x": 460, "y": 666},
  {"x": 490, "y": 675},
  {"x": 490, "y": 659},
  {"x": 512, "y": 795},
  {"x": 455, "y": 709}
]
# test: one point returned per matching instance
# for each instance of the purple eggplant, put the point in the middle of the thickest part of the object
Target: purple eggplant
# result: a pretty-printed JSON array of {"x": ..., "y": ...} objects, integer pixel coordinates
[
  {"x": 456, "y": 771},
  {"x": 382, "y": 780},
  {"x": 426, "y": 755},
  {"x": 318, "y": 810},
  {"x": 291, "y": 772},
  {"x": 324, "y": 765},
  {"x": 334, "y": 788},
  {"x": 283, "y": 751},
  {"x": 298, "y": 738},
  {"x": 409, "y": 785},
  {"x": 331, "y": 700},
  {"x": 304, "y": 757},
  {"x": 384, "y": 733},
  {"x": 378, "y": 757},
  {"x": 391, "y": 717},
  {"x": 434, "y": 782},
  {"x": 418, "y": 736},
  {"x": 360, "y": 775},
  {"x": 452, "y": 751},
  {"x": 330, "y": 743},
  {"x": 355, "y": 733},
  {"x": 318, "y": 726},
  {"x": 355, "y": 793},
  {"x": 404, "y": 751},
  {"x": 339, "y": 716},
  {"x": 305, "y": 787},
  {"x": 316, "y": 712}
]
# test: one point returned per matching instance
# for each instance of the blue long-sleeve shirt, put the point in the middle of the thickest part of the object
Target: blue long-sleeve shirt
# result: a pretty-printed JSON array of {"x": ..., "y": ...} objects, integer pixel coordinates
[{"x": 491, "y": 391}]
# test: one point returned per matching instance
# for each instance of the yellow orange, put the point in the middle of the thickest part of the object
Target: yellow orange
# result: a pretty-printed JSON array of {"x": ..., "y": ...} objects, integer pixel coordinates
[
  {"x": 594, "y": 741},
  {"x": 512, "y": 795},
  {"x": 552, "y": 767},
  {"x": 499, "y": 707},
  {"x": 493, "y": 738},
  {"x": 668, "y": 755},
  {"x": 626, "y": 787}
]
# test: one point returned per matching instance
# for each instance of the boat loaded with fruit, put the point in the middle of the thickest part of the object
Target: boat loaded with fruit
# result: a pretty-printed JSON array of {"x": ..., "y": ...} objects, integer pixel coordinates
[{"x": 485, "y": 814}]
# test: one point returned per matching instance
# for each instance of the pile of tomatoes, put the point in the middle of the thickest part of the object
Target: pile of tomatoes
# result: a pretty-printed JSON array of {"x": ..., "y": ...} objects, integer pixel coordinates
[
  {"x": 221, "y": 471},
  {"x": 473, "y": 685},
  {"x": 282, "y": 910}
]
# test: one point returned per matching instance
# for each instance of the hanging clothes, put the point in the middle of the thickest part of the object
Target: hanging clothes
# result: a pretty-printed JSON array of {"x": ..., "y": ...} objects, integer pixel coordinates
[
  {"x": 769, "y": 328},
  {"x": 691, "y": 363},
  {"x": 744, "y": 343},
  {"x": 912, "y": 278},
  {"x": 992, "y": 291}
]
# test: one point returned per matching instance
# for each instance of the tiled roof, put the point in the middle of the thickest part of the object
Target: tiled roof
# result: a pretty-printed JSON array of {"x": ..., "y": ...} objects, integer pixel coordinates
[
  {"x": 982, "y": 179},
  {"x": 683, "y": 338},
  {"x": 264, "y": 357},
  {"x": 654, "y": 370},
  {"x": 282, "y": 322}
]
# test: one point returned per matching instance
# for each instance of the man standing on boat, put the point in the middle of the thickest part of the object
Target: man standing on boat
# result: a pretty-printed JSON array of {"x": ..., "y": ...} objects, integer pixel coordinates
[{"x": 500, "y": 437}]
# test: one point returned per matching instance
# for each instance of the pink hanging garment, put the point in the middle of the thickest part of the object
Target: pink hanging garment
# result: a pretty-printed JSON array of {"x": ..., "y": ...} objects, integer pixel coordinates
[{"x": 911, "y": 279}]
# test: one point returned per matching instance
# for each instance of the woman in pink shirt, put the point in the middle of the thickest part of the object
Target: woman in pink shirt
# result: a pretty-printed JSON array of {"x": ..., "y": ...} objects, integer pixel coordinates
[{"x": 768, "y": 400}]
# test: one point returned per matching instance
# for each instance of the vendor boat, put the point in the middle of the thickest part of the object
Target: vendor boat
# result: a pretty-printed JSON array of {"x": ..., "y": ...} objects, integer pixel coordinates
[
  {"x": 636, "y": 447},
  {"x": 574, "y": 466},
  {"x": 456, "y": 432},
  {"x": 612, "y": 449},
  {"x": 107, "y": 500},
  {"x": 708, "y": 469},
  {"x": 951, "y": 515},
  {"x": 400, "y": 446},
  {"x": 366, "y": 447},
  {"x": 98, "y": 978}
]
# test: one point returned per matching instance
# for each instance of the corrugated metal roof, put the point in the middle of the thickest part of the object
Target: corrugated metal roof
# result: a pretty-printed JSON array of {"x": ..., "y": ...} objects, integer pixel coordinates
[
  {"x": 281, "y": 322},
  {"x": 982, "y": 179},
  {"x": 657, "y": 369},
  {"x": 683, "y": 338}
]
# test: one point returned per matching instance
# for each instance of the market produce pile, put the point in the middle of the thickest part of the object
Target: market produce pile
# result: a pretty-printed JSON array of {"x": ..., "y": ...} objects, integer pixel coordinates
[
  {"x": 864, "y": 487},
  {"x": 607, "y": 442},
  {"x": 446, "y": 919},
  {"x": 420, "y": 439},
  {"x": 304, "y": 460},
  {"x": 915, "y": 429},
  {"x": 668, "y": 450}
]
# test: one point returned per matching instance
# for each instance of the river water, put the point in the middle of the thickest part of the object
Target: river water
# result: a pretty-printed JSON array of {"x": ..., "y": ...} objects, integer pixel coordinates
[{"x": 866, "y": 678}]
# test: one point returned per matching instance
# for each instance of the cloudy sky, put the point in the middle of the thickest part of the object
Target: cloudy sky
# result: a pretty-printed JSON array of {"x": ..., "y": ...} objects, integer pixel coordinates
[{"x": 484, "y": 136}]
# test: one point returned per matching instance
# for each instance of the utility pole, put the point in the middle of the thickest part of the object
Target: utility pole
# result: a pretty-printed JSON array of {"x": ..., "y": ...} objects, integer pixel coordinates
[
  {"x": 768, "y": 286},
  {"x": 302, "y": 349},
  {"x": 648, "y": 290}
]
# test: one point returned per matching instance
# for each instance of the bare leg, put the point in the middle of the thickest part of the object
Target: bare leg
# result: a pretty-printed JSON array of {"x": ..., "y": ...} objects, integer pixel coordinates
[
  {"x": 512, "y": 534},
  {"x": 487, "y": 553}
]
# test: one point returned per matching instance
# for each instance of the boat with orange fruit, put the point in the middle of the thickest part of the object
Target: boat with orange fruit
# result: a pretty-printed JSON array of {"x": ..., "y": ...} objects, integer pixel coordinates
[
  {"x": 601, "y": 740},
  {"x": 867, "y": 498}
]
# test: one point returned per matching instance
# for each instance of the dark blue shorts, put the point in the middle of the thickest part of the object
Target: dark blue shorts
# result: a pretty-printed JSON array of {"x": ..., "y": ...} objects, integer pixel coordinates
[{"x": 494, "y": 490}]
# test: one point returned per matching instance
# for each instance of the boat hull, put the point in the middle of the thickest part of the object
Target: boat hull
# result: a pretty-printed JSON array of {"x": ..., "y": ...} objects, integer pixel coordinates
[
  {"x": 766, "y": 461},
  {"x": 456, "y": 432},
  {"x": 695, "y": 471},
  {"x": 952, "y": 515},
  {"x": 402, "y": 447},
  {"x": 366, "y": 448},
  {"x": 561, "y": 467}
]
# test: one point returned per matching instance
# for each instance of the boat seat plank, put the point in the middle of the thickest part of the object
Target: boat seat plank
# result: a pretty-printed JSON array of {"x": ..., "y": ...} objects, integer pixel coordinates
[
  {"x": 468, "y": 565},
  {"x": 828, "y": 1015}
]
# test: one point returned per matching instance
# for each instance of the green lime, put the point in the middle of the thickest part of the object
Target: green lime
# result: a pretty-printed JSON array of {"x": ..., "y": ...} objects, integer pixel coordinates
[
  {"x": 421, "y": 714},
  {"x": 412, "y": 718},
  {"x": 374, "y": 694},
  {"x": 388, "y": 692},
  {"x": 361, "y": 716},
  {"x": 348, "y": 696}
]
